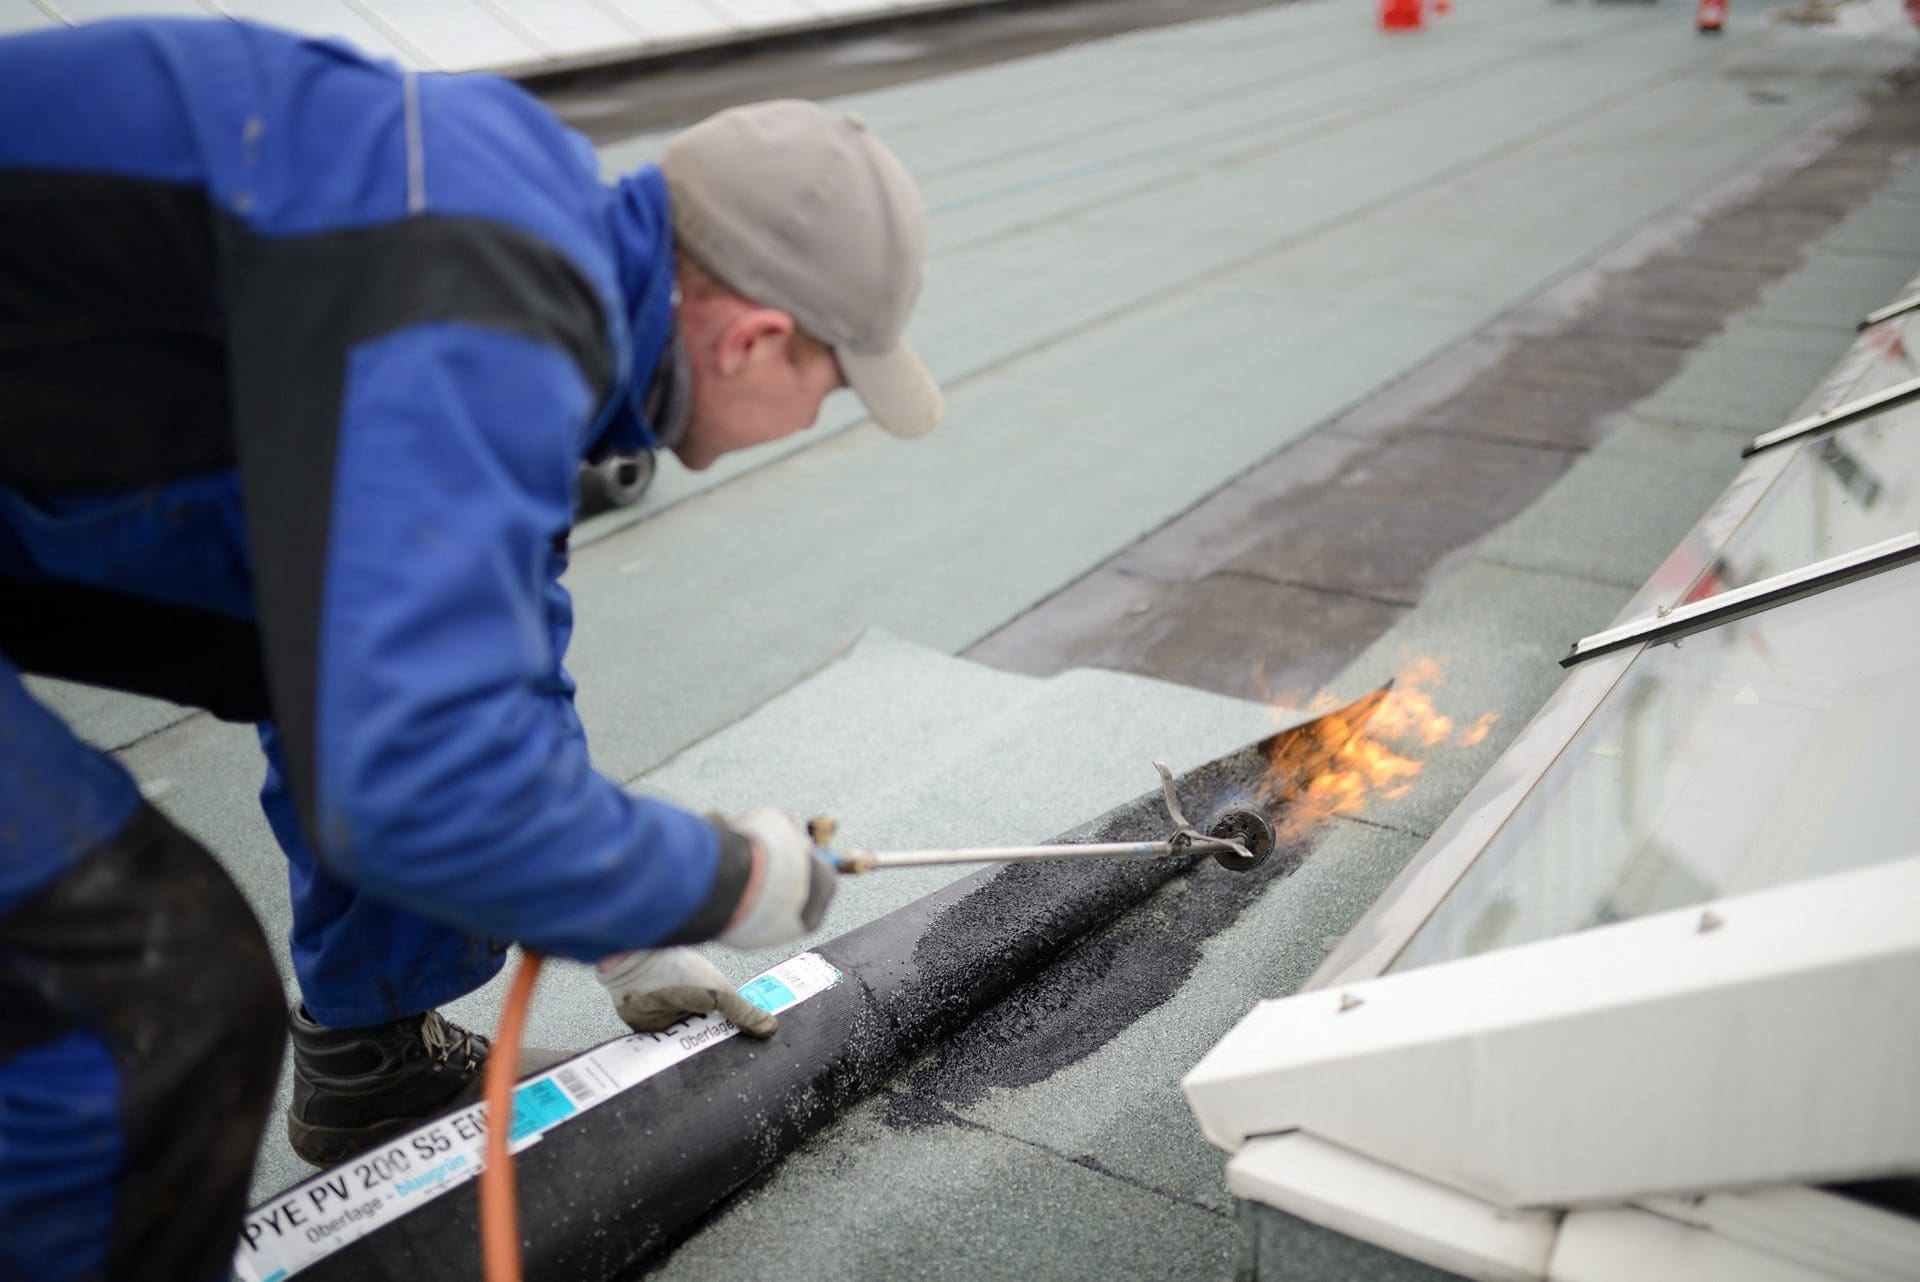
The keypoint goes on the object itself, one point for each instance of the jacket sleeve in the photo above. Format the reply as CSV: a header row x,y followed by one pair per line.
x,y
412,627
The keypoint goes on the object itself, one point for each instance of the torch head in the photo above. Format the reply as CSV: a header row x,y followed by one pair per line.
x,y
1251,829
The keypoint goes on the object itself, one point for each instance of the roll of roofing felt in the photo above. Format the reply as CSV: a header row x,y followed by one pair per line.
x,y
604,1187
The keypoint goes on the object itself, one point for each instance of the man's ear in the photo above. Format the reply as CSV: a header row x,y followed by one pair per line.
x,y
747,334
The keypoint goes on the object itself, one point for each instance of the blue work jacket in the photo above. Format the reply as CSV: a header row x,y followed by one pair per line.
x,y
299,356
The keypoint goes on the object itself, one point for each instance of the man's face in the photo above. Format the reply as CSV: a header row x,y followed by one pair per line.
x,y
755,378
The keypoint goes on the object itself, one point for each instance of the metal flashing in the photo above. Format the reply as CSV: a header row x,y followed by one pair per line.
x,y
1740,602
1402,1212
1809,1227
1607,1040
1898,394
1899,307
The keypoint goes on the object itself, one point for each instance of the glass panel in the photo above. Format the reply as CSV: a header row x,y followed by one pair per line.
x,y
1770,749
1849,489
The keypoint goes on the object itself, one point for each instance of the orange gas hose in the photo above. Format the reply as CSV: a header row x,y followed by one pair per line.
x,y
499,1211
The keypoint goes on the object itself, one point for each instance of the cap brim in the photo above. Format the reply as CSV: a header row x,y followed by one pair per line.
x,y
896,389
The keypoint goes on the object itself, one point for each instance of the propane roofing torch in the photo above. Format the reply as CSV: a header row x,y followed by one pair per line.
x,y
1239,838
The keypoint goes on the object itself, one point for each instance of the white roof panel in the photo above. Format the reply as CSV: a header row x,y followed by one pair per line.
x,y
456,35
568,27
678,19
771,13
839,8
23,15
1766,1039
95,10
324,18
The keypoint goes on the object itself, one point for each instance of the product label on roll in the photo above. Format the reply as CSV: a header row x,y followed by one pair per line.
x,y
344,1204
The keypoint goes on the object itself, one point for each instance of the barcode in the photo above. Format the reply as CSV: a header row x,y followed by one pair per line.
x,y
576,1085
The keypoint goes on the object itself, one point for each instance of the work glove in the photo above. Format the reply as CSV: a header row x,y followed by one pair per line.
x,y
790,888
655,987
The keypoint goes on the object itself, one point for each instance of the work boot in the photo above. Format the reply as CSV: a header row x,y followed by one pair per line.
x,y
354,1087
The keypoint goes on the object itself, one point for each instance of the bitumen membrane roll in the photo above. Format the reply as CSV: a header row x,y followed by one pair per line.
x,y
605,1190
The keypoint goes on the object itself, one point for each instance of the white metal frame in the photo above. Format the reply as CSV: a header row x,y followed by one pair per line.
x,y
1756,1235
1899,307
1751,598
1587,1106
1885,398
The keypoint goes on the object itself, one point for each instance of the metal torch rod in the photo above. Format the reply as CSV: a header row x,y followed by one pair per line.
x,y
869,860
981,854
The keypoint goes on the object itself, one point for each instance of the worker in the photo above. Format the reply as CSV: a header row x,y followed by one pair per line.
x,y
300,354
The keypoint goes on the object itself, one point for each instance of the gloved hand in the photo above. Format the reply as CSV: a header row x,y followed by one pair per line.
x,y
655,987
791,888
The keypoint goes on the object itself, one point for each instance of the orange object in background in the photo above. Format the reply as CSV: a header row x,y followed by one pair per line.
x,y
1441,8
1711,15
1400,15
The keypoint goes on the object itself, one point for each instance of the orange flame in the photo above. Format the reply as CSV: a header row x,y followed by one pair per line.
x,y
1372,750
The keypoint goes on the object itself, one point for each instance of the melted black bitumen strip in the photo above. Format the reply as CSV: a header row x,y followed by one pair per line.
x,y
1082,1001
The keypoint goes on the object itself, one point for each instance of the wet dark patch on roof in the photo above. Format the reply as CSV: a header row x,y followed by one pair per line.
x,y
1278,580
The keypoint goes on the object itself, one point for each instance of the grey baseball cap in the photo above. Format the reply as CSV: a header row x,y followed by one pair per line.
x,y
802,209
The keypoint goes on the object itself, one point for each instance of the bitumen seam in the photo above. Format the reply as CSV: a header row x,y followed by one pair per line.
x,y
1398,601
925,1113
186,714
1378,825
1349,110
1601,580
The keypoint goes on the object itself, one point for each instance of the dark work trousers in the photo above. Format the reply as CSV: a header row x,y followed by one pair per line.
x,y
141,1024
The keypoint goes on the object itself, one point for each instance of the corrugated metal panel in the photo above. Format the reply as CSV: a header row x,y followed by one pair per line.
x,y
23,15
677,19
475,35
95,10
771,13
568,28
324,18
839,8
454,35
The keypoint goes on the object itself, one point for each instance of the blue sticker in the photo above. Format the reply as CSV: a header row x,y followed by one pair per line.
x,y
538,1105
769,994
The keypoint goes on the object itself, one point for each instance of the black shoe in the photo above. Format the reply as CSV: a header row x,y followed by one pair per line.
x,y
354,1087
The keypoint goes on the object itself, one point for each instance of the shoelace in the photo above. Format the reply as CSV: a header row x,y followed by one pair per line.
x,y
445,1040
